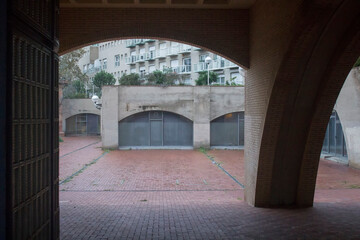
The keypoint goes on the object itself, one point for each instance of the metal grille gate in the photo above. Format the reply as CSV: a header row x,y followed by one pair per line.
x,y
32,210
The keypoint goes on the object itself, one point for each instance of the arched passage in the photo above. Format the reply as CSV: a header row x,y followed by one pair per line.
x,y
197,27
283,156
154,129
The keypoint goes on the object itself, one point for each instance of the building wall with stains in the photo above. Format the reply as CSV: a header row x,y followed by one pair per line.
x,y
200,104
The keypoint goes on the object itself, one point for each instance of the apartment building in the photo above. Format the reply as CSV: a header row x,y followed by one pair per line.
x,y
144,56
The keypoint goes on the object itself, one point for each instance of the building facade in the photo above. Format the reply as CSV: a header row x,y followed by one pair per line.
x,y
172,117
144,56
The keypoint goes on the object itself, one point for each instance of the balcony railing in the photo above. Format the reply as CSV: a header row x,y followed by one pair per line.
x,y
214,65
133,42
182,69
92,70
130,60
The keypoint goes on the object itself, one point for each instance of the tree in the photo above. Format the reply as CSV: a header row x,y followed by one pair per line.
x,y
69,69
101,79
166,77
75,89
202,79
357,64
71,79
130,80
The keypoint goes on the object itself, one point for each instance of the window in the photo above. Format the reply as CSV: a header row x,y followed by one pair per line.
x,y
151,68
117,60
202,57
142,71
104,63
162,65
186,65
221,79
174,64
133,56
152,52
122,57
237,78
132,70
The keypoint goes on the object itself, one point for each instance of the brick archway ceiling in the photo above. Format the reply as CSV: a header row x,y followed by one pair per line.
x,y
224,4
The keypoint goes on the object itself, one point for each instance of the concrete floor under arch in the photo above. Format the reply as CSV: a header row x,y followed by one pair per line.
x,y
182,194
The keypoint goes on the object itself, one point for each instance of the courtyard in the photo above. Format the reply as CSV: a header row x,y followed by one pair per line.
x,y
189,194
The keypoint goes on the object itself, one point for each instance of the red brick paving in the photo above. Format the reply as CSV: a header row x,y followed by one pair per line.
x,y
71,161
136,195
232,161
332,175
152,170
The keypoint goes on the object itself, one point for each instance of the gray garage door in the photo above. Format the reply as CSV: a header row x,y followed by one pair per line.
x,y
83,124
227,130
334,141
156,129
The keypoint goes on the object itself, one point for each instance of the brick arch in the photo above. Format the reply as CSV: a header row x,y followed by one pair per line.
x,y
224,32
305,88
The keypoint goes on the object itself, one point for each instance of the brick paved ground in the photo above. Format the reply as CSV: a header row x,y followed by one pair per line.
x,y
161,194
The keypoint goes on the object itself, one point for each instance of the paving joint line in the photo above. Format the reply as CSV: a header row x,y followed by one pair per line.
x,y
211,158
68,179
66,154
154,190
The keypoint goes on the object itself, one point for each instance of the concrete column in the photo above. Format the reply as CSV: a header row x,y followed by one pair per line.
x,y
348,109
201,117
109,124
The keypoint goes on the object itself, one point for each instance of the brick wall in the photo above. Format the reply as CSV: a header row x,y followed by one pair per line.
x,y
290,57
222,31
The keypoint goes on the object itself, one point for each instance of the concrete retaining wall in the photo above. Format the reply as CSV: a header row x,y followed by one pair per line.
x,y
71,107
201,104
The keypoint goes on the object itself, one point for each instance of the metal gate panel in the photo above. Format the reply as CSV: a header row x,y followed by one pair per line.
x,y
156,129
178,131
227,130
32,162
93,124
334,141
156,133
135,130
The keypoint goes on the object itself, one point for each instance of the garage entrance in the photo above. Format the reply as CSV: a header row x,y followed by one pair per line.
x,y
155,129
227,130
85,124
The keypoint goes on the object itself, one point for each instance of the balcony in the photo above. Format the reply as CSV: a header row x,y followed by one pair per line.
x,y
141,57
92,70
130,43
182,69
151,55
130,60
161,53
214,65
173,50
184,48
149,40
140,41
